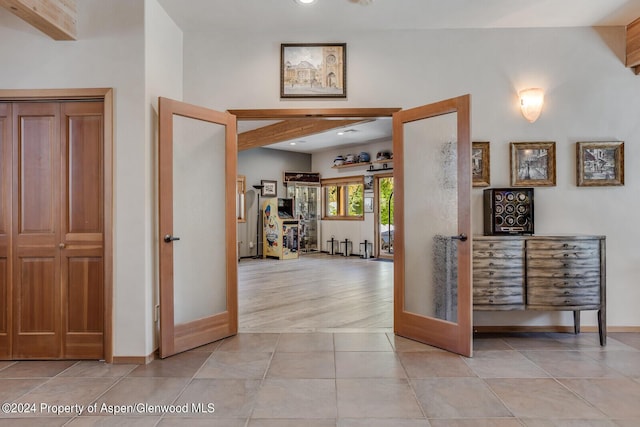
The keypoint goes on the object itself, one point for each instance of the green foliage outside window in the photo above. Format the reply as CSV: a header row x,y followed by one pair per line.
x,y
386,194
356,199
332,200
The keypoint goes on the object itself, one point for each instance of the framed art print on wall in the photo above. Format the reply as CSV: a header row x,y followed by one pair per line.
x,y
533,164
269,188
368,204
599,164
313,70
480,164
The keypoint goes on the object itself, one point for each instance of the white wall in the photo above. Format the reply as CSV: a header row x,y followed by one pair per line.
x,y
163,77
114,49
356,231
258,164
109,53
590,95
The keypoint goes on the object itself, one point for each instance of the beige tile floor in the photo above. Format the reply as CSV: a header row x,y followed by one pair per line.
x,y
356,379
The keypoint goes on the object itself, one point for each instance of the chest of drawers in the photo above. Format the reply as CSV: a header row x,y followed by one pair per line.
x,y
541,273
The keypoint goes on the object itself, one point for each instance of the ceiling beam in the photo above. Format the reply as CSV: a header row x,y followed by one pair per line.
x,y
292,113
289,129
633,46
56,18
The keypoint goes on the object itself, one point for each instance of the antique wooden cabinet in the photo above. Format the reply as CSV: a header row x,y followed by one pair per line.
x,y
563,273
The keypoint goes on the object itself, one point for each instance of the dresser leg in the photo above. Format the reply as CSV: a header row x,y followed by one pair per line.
x,y
576,322
602,328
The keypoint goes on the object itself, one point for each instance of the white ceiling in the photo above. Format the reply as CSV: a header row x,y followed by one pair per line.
x,y
268,15
346,15
371,131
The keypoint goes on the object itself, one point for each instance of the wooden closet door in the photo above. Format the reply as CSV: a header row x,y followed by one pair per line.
x,y
5,231
81,244
58,227
36,285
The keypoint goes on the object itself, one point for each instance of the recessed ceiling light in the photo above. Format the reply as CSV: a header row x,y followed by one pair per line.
x,y
305,1
292,143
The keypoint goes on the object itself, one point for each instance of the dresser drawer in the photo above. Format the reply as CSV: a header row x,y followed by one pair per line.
x,y
515,247
494,273
497,263
563,245
562,283
484,244
562,255
562,301
561,270
533,292
492,282
498,300
508,254
499,295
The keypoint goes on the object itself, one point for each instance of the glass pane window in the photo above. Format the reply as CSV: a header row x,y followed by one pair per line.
x,y
355,199
333,196
343,198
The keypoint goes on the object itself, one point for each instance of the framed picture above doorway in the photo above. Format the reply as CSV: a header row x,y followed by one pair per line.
x,y
313,70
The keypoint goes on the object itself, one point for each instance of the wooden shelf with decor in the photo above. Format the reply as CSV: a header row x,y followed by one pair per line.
x,y
351,165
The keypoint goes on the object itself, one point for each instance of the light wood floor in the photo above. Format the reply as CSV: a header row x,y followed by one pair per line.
x,y
316,292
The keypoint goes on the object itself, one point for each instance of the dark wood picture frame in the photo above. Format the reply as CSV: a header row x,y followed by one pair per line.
x,y
269,188
480,164
600,164
313,70
533,164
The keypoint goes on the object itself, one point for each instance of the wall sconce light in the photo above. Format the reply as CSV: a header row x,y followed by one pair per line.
x,y
531,101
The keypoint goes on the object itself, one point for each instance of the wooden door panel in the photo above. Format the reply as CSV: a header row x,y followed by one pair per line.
x,y
37,316
202,137
3,296
84,159
83,305
82,229
5,230
37,140
5,175
37,290
84,294
5,347
432,144
36,284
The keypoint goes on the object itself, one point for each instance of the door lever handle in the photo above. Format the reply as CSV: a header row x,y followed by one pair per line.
x,y
168,238
462,237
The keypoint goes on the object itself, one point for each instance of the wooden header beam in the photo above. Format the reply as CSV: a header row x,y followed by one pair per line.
x,y
56,18
633,46
289,129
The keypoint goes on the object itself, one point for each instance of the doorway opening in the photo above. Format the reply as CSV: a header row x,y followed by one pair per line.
x,y
413,314
321,291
